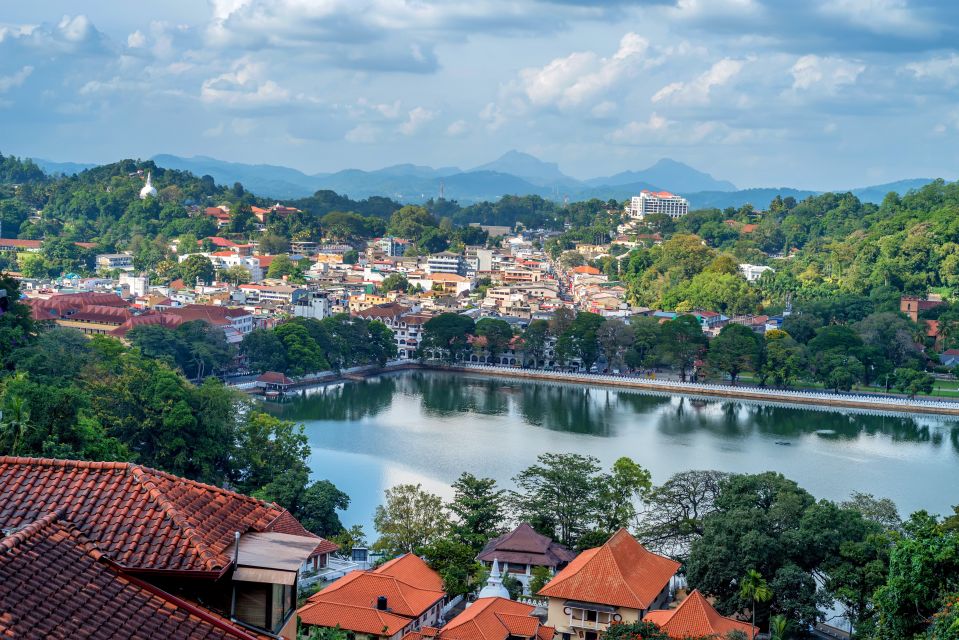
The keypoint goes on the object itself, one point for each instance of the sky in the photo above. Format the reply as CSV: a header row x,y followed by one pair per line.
x,y
817,94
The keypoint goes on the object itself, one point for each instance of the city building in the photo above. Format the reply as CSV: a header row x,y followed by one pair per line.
x,y
663,202
315,304
521,550
446,262
753,272
115,549
111,261
618,582
235,323
401,596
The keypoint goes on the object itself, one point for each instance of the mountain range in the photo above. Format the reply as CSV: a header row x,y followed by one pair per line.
x,y
513,173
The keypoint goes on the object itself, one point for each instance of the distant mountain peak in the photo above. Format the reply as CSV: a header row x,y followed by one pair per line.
x,y
668,174
524,165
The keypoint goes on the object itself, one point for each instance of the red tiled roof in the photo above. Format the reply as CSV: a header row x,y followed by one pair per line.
x,y
411,569
525,546
164,319
355,618
21,244
489,619
695,617
208,313
362,588
274,377
63,304
388,310
217,241
141,518
56,583
619,573
102,314
593,271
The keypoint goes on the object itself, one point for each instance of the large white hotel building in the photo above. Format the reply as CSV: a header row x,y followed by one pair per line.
x,y
648,202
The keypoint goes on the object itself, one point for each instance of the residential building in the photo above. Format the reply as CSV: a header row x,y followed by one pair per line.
x,y
315,304
489,619
405,322
401,596
390,246
124,538
523,549
235,323
446,262
695,617
662,202
753,272
912,306
282,293
111,261
618,582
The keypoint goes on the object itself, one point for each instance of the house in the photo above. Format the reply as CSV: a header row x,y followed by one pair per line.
x,y
753,272
912,306
235,323
618,582
446,262
696,618
406,324
97,546
398,597
273,381
111,261
489,619
949,357
523,549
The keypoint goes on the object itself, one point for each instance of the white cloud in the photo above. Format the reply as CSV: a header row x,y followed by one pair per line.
x,y
136,40
457,129
15,80
944,70
581,77
824,74
878,16
415,119
244,86
697,90
660,131
647,132
493,116
363,133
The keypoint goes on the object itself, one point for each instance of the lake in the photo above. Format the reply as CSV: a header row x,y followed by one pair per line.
x,y
428,427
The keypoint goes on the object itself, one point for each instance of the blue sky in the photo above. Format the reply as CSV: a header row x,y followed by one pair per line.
x,y
811,93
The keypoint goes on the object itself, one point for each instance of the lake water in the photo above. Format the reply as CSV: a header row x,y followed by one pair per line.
x,y
428,427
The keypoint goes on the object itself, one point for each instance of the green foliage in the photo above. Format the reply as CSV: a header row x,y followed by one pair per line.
x,y
456,563
539,579
197,269
736,349
409,519
479,510
498,334
682,340
513,586
445,336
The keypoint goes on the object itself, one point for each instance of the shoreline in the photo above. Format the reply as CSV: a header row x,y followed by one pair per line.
x,y
807,399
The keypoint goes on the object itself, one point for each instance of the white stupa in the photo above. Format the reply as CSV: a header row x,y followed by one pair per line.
x,y
494,584
148,190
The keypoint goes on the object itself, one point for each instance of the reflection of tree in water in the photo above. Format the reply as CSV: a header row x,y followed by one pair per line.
x,y
349,401
737,419
575,409
445,395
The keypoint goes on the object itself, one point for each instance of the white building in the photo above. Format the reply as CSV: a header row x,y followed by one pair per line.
x,y
446,262
110,261
753,272
664,202
314,304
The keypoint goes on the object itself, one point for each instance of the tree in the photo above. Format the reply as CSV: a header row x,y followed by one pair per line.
x,y
197,269
635,631
303,353
282,265
395,282
498,334
478,506
456,563
753,587
580,340
539,579
646,338
534,342
264,351
682,340
614,337
410,519
619,492
348,539
779,627
558,495
445,335
734,350
912,382
235,275
676,511
785,360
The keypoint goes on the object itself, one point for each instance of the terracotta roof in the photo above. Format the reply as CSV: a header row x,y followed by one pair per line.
x,y
525,546
489,619
358,619
619,573
593,271
140,517
21,244
163,319
56,583
274,377
388,310
362,588
208,313
411,569
695,617
102,314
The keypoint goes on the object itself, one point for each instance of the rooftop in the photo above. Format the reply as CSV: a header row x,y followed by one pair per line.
x,y
695,617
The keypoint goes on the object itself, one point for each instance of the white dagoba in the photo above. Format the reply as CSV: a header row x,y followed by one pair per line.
x,y
148,190
494,584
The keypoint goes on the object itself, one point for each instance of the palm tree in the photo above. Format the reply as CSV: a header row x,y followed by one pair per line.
x,y
755,588
778,627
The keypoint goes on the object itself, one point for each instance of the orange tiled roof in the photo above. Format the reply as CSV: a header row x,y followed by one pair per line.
x,y
695,617
490,619
620,573
362,588
48,569
411,569
140,517
208,313
593,271
358,619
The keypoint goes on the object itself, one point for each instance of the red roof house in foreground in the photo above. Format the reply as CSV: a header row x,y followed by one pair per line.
x,y
402,595
143,534
695,618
